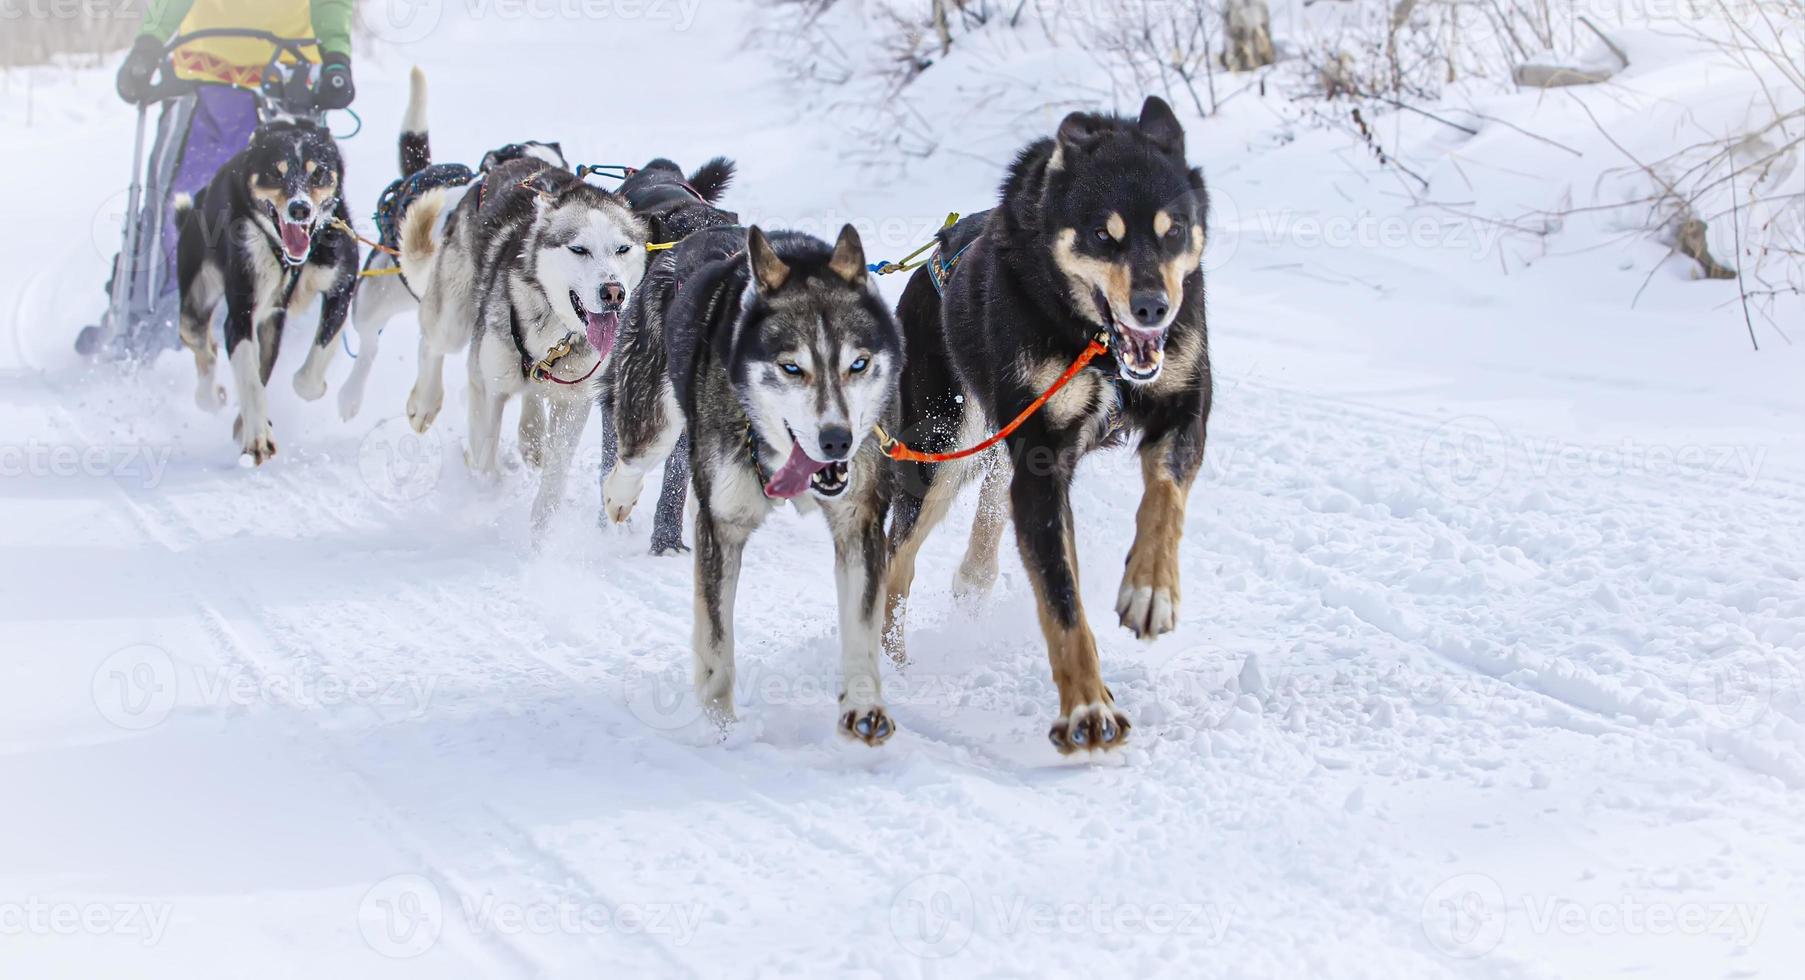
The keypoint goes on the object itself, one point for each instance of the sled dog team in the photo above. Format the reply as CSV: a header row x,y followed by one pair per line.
x,y
762,366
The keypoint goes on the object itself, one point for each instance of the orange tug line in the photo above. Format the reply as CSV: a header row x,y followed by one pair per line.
x,y
895,449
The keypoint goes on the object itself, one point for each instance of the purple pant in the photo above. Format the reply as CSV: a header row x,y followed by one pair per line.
x,y
219,124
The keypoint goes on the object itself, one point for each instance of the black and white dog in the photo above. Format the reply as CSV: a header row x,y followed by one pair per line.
x,y
780,357
266,236
385,293
1099,234
532,268
673,207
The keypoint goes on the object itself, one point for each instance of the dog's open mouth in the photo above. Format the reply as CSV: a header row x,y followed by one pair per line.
x,y
799,473
1139,351
297,239
830,480
602,329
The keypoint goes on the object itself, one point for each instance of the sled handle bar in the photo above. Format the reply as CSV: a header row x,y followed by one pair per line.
x,y
168,86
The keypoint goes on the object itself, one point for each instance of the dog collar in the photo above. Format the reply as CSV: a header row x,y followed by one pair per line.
x,y
541,370
758,464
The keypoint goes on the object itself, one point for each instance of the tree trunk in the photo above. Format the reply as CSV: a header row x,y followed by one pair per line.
x,y
1248,26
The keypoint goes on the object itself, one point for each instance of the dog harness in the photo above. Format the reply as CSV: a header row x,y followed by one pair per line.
x,y
940,272
401,194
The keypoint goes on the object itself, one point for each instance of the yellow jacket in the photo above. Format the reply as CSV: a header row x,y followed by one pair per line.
x,y
240,60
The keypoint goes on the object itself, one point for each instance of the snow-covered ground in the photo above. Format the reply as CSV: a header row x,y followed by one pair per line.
x,y
1490,663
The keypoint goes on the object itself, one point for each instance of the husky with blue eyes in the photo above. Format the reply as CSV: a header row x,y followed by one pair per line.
x,y
779,358
532,268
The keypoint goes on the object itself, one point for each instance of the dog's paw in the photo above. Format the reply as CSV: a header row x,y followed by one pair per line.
x,y
486,473
619,495
209,397
1096,726
714,692
1148,612
1147,603
350,402
256,444
532,453
662,548
871,725
971,584
422,408
310,388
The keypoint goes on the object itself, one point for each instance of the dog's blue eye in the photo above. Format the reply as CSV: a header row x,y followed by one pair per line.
x,y
578,250
1103,235
860,365
791,368
624,249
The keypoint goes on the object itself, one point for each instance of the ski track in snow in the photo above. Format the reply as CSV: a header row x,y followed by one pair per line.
x,y
1430,684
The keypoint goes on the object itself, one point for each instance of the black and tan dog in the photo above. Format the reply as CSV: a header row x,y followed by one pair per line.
x,y
1099,234
266,236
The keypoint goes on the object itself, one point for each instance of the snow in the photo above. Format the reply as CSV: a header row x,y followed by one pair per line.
x,y
1490,664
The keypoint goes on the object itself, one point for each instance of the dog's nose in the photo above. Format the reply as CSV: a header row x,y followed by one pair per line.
x,y
836,442
1150,308
613,294
299,210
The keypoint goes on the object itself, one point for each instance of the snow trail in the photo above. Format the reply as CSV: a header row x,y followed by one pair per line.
x,y
1488,665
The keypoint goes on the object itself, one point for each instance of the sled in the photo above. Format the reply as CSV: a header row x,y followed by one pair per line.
x,y
140,318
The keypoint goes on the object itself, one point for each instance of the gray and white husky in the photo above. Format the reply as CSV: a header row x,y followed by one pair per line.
x,y
531,267
780,357
384,295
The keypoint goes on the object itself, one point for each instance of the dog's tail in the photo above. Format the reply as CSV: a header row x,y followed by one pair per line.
x,y
711,179
416,151
421,226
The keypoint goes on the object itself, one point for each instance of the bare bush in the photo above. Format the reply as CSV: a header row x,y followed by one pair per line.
x,y
91,30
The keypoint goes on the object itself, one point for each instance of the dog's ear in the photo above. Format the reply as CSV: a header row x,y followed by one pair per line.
x,y
849,257
656,229
1160,125
1079,131
769,272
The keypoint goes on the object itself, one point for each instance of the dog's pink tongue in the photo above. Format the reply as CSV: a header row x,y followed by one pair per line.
x,y
603,329
294,239
794,476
